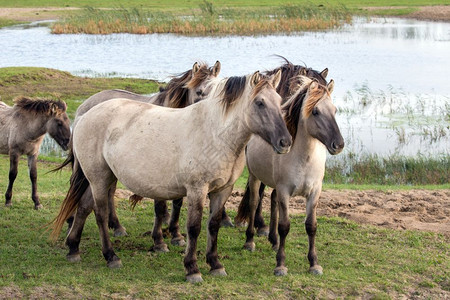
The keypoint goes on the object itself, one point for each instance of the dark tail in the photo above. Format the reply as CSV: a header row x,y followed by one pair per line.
x,y
69,160
78,185
244,209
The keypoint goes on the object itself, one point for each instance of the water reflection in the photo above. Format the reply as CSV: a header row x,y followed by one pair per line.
x,y
398,68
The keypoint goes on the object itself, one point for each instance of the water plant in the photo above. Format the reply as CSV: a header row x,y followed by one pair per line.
x,y
206,20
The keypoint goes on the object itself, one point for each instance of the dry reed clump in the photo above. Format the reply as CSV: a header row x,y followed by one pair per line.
x,y
281,20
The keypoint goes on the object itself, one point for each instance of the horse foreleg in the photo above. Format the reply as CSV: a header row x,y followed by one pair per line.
x,y
33,177
273,233
311,228
253,185
100,191
174,226
283,229
113,221
85,207
157,235
263,229
13,165
217,202
195,198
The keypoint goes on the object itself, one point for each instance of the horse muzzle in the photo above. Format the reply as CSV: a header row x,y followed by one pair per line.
x,y
283,146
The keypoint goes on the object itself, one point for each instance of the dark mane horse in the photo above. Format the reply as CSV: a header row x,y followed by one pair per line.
x,y
176,93
22,130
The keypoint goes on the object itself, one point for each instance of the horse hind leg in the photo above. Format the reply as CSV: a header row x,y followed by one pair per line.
x,y
263,229
113,220
174,226
273,232
100,190
283,230
85,207
311,228
253,184
33,177
157,235
13,165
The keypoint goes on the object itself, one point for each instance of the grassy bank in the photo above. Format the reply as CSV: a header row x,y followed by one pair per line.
x,y
359,261
43,82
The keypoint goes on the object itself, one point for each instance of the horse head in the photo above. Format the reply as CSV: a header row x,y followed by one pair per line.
x,y
264,118
58,126
198,85
318,114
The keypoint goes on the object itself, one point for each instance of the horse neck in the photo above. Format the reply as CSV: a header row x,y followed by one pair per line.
x,y
36,126
229,129
304,142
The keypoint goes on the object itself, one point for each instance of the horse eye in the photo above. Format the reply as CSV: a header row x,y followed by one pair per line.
x,y
315,111
259,103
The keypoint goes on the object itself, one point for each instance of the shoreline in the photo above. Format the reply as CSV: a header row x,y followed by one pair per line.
x,y
436,13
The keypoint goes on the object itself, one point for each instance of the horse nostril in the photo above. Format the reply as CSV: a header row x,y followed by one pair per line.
x,y
284,143
199,93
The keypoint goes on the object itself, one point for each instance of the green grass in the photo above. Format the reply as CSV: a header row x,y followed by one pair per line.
x,y
359,261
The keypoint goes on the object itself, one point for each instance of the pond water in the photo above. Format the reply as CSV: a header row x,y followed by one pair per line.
x,y
391,75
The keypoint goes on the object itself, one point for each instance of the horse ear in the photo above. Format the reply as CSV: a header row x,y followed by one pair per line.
x,y
216,69
195,68
314,85
276,78
53,109
330,86
324,73
303,72
256,77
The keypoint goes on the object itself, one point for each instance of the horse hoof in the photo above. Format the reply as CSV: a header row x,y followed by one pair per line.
x,y
178,242
120,232
280,271
38,207
115,264
264,231
218,272
9,204
161,248
194,278
227,223
316,270
249,246
73,258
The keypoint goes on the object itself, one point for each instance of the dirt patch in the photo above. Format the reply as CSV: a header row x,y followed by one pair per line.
x,y
426,210
30,14
429,13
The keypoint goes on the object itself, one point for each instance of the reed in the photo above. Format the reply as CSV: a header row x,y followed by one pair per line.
x,y
206,20
352,168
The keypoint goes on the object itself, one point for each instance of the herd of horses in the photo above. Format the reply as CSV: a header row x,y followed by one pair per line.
x,y
192,139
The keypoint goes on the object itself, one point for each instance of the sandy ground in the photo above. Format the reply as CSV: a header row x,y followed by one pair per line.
x,y
425,210
433,13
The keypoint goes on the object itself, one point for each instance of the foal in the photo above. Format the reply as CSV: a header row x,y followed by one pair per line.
x,y
22,130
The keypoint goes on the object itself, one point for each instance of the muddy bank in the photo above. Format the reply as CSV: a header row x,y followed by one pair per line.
x,y
425,210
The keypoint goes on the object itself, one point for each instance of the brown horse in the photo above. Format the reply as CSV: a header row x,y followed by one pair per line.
x,y
182,90
22,129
